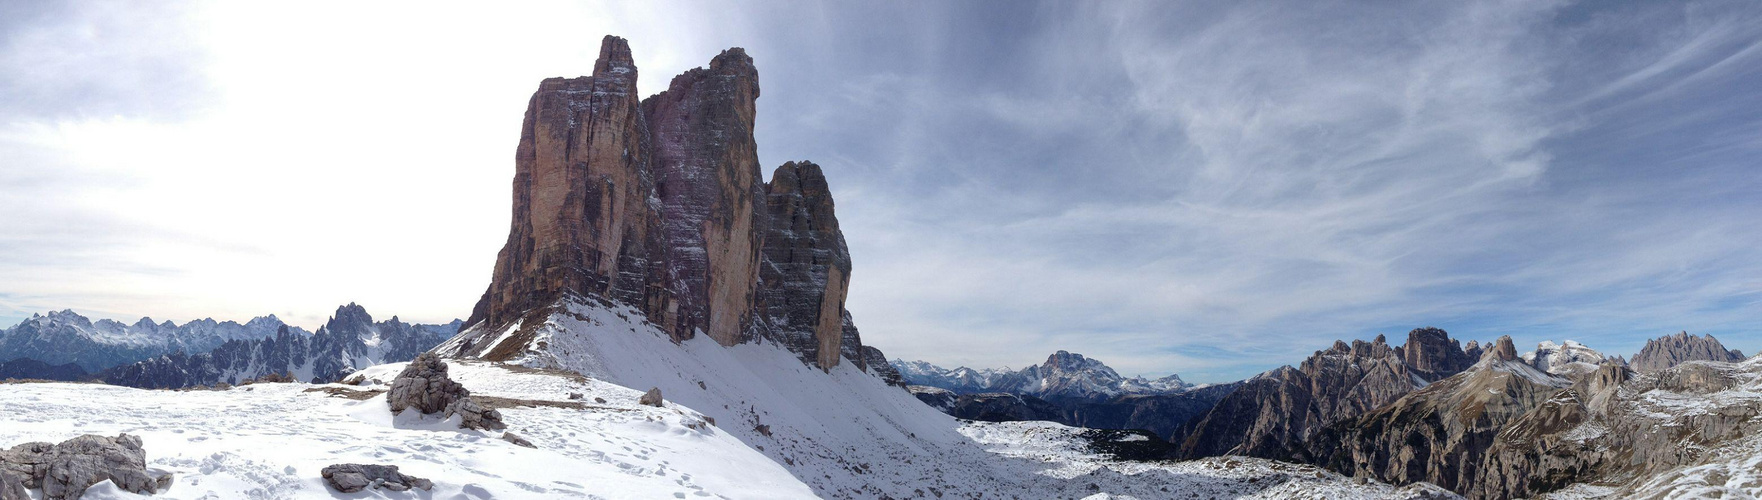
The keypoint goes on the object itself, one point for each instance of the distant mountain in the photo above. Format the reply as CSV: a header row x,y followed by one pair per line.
x,y
27,368
1064,375
349,341
1438,433
1665,352
1270,415
1570,359
66,337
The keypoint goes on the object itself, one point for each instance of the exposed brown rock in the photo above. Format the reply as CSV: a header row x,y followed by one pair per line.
x,y
1439,433
711,190
1272,414
583,218
659,204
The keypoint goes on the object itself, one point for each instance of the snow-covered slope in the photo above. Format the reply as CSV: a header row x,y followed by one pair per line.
x,y
269,441
843,432
1565,359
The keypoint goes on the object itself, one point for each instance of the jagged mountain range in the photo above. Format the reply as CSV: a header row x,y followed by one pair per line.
x,y
348,341
63,337
1064,375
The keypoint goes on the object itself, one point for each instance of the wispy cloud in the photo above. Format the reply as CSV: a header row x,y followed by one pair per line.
x,y
1210,189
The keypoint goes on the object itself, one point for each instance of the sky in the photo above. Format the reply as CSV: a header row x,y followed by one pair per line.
x,y
1212,189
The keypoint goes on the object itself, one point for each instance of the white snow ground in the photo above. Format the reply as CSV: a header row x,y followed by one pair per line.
x,y
844,432
269,441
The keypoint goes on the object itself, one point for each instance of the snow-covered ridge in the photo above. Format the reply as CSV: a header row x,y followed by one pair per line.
x,y
1064,375
843,432
1569,358
62,337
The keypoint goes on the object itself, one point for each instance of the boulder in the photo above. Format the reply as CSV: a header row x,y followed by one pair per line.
x,y
517,440
65,470
425,387
351,478
651,398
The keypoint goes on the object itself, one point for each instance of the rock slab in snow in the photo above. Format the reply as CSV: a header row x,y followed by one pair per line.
x,y
350,478
65,470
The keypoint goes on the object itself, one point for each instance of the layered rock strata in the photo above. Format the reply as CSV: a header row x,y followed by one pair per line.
x,y
1272,414
1665,352
659,204
1438,433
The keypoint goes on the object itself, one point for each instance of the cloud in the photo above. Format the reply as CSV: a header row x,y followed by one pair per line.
x,y
1209,189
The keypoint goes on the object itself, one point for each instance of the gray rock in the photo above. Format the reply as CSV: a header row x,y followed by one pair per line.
x,y
1272,414
351,478
516,439
12,486
65,470
651,398
1665,352
425,387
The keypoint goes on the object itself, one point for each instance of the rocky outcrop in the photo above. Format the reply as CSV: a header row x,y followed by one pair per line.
x,y
64,471
805,268
659,205
585,216
1160,414
651,398
350,340
1272,414
1004,407
937,397
351,478
1438,433
712,194
1664,352
425,387
1619,427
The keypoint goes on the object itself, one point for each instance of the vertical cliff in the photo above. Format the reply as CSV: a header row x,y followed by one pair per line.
x,y
584,217
711,194
659,204
805,267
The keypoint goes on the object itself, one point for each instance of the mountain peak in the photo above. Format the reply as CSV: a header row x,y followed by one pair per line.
x,y
1501,350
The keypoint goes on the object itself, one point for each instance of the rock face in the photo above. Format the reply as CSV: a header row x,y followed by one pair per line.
x,y
348,341
351,478
805,267
1272,414
585,214
1438,433
1664,352
659,204
1635,430
712,194
65,470
425,387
